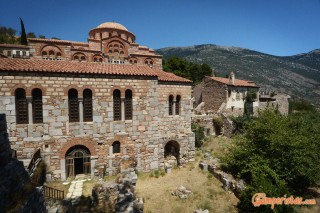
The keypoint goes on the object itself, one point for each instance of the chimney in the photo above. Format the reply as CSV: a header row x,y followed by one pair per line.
x,y
232,78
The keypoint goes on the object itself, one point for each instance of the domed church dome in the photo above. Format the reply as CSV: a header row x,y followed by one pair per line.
x,y
113,25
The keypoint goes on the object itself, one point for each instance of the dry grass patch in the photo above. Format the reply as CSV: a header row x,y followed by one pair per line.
x,y
217,146
207,192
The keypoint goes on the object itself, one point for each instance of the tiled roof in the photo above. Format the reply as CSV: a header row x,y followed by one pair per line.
x,y
237,82
113,25
167,76
57,41
15,46
32,65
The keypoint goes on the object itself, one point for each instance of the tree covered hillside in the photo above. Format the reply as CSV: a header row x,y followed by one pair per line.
x,y
298,76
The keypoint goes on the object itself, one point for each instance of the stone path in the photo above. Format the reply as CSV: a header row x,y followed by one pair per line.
x,y
75,189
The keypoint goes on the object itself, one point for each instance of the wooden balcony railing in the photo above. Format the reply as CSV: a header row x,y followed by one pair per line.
x,y
53,193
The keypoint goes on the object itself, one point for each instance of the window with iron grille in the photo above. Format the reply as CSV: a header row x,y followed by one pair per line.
x,y
73,105
21,106
171,105
87,105
128,105
178,98
116,147
116,105
37,106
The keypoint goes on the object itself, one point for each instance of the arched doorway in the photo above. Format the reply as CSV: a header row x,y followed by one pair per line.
x,y
77,161
172,149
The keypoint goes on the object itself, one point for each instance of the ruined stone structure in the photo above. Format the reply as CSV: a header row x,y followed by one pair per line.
x,y
225,95
17,192
109,42
277,101
95,117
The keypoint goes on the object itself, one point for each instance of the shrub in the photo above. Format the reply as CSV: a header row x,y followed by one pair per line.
x,y
218,124
276,155
199,134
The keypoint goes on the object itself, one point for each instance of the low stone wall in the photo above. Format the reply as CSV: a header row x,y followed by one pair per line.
x,y
205,121
229,182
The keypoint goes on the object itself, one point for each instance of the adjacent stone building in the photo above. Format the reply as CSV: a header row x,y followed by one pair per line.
x,y
96,108
225,95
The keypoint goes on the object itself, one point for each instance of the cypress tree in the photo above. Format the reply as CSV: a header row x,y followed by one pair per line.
x,y
23,38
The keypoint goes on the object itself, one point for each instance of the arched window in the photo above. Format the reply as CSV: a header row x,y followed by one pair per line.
x,y
128,105
87,105
83,58
75,58
116,105
51,53
73,105
171,105
178,99
44,54
116,147
58,54
21,106
37,106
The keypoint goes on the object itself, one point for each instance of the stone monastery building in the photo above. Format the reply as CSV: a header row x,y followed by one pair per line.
x,y
94,108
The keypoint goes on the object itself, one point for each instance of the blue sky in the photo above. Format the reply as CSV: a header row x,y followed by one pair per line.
x,y
278,27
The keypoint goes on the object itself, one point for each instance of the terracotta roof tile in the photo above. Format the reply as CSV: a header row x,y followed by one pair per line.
x,y
167,76
57,41
32,65
237,82
15,46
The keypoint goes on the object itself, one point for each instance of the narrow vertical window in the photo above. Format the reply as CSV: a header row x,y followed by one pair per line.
x,y
21,106
178,99
116,147
116,105
128,105
171,105
73,105
87,105
37,106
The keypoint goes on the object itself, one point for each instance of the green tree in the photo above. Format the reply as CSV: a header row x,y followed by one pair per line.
x,y
199,134
23,38
31,35
277,153
181,67
7,35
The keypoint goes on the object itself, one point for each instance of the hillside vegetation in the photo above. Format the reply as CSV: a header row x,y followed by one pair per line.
x,y
298,76
277,155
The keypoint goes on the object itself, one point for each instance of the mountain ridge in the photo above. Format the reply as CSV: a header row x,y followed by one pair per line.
x,y
297,75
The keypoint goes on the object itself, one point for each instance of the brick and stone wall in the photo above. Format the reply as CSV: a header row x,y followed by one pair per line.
x,y
143,138
100,43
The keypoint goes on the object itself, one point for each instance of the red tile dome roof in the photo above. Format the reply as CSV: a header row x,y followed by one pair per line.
x,y
113,25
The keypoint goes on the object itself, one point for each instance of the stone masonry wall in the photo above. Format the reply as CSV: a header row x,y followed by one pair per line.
x,y
176,127
211,92
141,138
